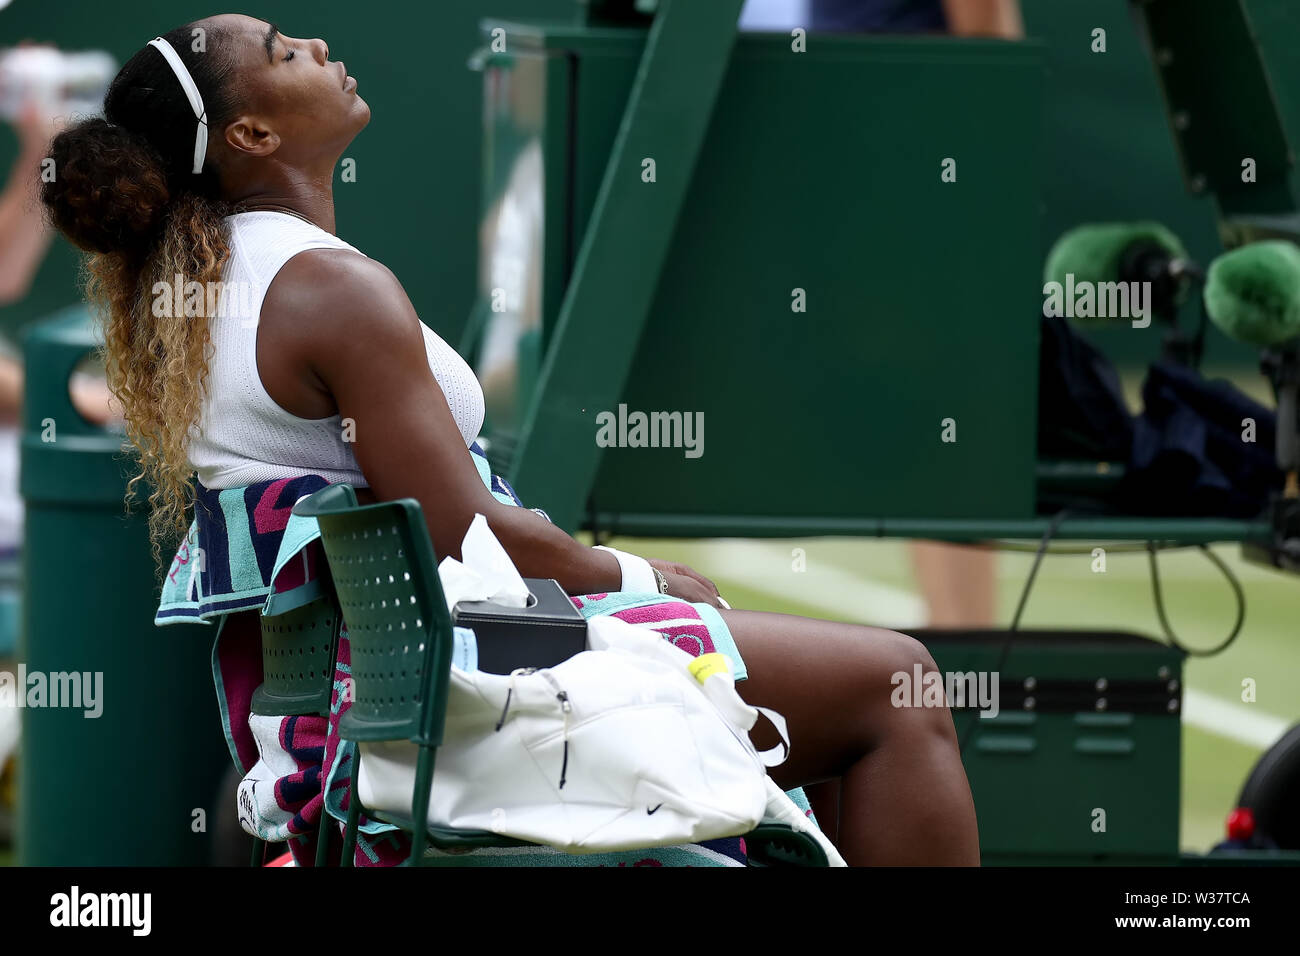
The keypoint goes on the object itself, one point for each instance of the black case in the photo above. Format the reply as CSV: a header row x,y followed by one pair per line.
x,y
547,632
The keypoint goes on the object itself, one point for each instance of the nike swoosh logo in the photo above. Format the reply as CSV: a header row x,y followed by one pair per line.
x,y
650,812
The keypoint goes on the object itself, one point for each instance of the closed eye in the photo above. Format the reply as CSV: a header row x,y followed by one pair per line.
x,y
268,41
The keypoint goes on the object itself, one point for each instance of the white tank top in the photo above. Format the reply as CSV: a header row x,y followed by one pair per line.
x,y
242,435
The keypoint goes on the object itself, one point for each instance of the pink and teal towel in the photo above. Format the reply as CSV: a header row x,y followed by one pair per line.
x,y
243,538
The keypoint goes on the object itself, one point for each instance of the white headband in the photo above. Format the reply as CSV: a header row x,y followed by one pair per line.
x,y
192,94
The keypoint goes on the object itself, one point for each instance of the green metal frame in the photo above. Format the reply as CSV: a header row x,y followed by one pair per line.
x,y
1221,106
626,243
1223,109
1171,531
400,636
694,310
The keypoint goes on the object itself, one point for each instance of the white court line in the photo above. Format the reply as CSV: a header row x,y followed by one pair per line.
x,y
842,594
1239,722
766,567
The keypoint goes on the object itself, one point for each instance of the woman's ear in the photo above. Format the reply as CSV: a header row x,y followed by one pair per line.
x,y
251,136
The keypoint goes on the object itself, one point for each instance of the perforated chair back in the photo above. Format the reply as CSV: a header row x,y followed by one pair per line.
x,y
298,654
399,629
298,649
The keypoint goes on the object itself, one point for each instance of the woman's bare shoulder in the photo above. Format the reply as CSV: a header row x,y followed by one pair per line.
x,y
330,313
334,307
327,292
332,277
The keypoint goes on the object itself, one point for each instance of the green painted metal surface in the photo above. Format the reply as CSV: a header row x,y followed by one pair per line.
x,y
826,409
415,200
1221,104
627,241
154,752
1040,778
808,179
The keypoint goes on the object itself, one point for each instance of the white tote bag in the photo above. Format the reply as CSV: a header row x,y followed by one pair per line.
x,y
631,744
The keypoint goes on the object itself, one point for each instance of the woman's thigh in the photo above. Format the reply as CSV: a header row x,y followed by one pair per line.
x,y
830,680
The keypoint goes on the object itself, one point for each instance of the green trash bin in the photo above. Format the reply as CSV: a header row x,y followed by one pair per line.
x,y
133,785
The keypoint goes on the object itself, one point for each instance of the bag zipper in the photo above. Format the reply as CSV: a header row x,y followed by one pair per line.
x,y
561,695
566,708
517,672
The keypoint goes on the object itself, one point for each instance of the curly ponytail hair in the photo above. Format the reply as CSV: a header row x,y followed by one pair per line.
x,y
125,192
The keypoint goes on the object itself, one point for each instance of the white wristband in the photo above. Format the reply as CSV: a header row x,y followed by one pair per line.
x,y
638,576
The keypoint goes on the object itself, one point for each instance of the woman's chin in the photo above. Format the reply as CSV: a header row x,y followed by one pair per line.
x,y
357,119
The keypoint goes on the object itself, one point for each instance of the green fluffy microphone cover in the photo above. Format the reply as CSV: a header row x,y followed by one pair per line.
x,y
1253,293
1092,254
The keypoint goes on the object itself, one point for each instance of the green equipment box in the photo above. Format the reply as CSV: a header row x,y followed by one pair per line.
x,y
1081,763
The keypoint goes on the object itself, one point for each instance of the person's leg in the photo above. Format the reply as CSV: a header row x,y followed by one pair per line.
x,y
824,798
904,799
958,582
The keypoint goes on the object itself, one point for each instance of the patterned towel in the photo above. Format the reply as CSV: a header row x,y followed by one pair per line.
x,y
246,550
243,538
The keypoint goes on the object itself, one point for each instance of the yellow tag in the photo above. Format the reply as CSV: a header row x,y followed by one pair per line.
x,y
706,665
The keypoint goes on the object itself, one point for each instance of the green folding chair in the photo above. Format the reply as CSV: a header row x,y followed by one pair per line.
x,y
298,650
385,576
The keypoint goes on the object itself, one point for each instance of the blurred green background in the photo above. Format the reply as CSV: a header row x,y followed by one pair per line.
x,y
1108,155
416,202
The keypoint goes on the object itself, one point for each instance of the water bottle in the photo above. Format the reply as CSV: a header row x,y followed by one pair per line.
x,y
58,83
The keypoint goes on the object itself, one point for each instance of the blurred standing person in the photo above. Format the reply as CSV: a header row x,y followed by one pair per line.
x,y
24,236
989,18
763,15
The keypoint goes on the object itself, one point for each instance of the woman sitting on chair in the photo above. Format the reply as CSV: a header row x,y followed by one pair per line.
x,y
217,166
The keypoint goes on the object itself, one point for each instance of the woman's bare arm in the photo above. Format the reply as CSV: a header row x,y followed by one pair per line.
x,y
357,332
985,18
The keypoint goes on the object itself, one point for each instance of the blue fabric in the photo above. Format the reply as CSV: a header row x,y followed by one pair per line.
x,y
1188,456
878,16
225,563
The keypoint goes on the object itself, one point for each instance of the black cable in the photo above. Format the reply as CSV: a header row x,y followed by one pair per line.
x,y
1151,548
1134,548
592,522
1164,619
1052,527
1198,342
